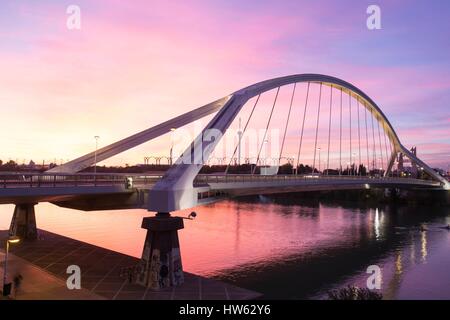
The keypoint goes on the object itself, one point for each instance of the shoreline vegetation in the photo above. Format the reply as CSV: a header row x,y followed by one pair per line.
x,y
354,293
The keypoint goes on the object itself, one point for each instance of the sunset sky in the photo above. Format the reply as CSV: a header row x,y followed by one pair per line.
x,y
134,64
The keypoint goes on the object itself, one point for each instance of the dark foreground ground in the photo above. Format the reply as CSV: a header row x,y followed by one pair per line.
x,y
43,265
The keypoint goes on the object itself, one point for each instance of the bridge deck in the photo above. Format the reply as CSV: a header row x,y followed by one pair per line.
x,y
80,189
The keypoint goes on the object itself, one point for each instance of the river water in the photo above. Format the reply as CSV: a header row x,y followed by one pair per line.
x,y
286,249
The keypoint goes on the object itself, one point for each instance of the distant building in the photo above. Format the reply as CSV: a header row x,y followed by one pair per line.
x,y
31,165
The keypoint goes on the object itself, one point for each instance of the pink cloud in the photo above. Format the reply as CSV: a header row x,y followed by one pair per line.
x,y
133,65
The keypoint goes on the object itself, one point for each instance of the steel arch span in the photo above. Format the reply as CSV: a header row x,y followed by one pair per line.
x,y
175,190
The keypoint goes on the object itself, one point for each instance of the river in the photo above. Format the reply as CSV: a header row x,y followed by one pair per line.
x,y
286,249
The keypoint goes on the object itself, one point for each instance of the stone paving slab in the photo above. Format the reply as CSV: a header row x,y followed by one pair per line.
x,y
100,273
39,284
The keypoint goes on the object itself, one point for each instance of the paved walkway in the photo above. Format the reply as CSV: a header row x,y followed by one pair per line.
x,y
43,264
39,284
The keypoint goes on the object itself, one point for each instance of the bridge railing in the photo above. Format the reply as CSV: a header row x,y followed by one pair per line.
x,y
244,178
9,180
145,179
33,180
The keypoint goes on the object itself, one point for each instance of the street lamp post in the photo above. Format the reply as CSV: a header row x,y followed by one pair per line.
x,y
12,239
95,154
319,159
265,142
353,164
239,143
172,130
294,169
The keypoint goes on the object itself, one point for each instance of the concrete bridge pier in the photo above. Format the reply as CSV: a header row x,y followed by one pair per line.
x,y
160,265
23,223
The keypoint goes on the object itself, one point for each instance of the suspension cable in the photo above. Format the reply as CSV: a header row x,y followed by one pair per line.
x,y
265,132
388,149
381,148
317,129
243,132
359,138
350,122
340,137
385,146
367,140
374,154
303,127
287,123
329,131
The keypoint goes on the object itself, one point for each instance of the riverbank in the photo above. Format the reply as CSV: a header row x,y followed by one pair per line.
x,y
43,265
37,284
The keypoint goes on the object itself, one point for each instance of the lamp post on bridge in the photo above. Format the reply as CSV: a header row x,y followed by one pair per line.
x,y
172,130
265,142
294,168
95,154
352,164
319,159
239,143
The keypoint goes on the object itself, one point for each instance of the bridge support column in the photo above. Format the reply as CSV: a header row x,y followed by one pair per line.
x,y
161,260
23,223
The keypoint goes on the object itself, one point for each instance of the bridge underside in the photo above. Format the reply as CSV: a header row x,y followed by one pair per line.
x,y
136,199
260,190
60,194
217,191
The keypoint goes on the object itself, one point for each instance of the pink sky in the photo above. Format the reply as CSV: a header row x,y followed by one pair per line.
x,y
135,64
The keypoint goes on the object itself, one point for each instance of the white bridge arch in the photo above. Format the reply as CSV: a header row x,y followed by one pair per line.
x,y
175,190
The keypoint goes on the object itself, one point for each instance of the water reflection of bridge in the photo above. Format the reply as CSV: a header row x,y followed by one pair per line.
x,y
319,265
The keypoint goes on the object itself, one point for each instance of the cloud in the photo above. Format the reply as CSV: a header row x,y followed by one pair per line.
x,y
135,64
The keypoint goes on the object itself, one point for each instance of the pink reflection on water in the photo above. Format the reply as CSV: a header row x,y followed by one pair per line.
x,y
224,235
